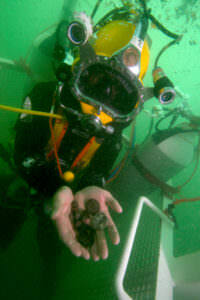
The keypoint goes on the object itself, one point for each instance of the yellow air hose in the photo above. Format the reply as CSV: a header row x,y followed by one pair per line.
x,y
30,112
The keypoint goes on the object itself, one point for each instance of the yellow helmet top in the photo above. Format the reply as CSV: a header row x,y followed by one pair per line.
x,y
116,35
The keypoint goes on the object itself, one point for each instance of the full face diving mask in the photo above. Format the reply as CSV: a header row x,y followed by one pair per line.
x,y
109,83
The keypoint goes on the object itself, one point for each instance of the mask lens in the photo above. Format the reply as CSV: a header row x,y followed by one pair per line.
x,y
131,57
107,86
76,33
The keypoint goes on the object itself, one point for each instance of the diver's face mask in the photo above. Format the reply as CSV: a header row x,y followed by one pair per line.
x,y
112,84
109,84
106,86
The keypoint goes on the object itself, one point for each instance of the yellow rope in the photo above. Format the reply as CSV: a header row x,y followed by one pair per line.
x,y
30,112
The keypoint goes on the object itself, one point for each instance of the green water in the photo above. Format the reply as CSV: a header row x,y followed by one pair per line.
x,y
22,22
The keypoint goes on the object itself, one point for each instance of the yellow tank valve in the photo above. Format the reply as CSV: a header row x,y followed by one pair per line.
x,y
68,176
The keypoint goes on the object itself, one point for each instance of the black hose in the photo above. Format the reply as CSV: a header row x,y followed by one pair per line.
x,y
144,6
163,29
96,8
171,113
149,131
163,50
156,22
173,121
145,25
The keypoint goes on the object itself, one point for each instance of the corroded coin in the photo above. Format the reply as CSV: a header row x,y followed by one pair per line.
x,y
99,221
92,206
85,235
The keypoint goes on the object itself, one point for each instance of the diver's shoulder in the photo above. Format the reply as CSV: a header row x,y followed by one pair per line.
x,y
45,86
41,95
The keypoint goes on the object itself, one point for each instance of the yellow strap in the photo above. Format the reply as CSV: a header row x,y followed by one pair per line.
x,y
85,156
59,131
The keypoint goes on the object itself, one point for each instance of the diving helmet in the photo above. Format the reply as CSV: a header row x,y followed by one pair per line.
x,y
110,62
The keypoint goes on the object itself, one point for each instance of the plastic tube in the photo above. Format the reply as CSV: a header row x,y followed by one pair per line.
x,y
30,112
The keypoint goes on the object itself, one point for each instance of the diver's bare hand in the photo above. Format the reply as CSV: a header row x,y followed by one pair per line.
x,y
61,217
105,199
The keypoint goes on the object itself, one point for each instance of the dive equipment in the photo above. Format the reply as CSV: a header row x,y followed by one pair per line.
x,y
168,151
163,87
30,112
164,49
118,97
165,154
93,124
68,176
80,29
183,111
116,75
90,123
130,55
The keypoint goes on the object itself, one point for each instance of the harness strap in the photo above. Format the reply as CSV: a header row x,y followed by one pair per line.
x,y
85,156
59,130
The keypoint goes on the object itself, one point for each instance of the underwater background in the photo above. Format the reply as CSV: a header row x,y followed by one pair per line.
x,y
22,24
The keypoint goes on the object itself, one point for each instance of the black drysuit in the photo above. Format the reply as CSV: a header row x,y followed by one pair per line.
x,y
33,134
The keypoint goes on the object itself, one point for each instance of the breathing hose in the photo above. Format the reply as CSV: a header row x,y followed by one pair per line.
x,y
165,48
30,112
96,8
170,34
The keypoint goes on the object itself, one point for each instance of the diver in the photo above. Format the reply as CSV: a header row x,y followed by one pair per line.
x,y
66,158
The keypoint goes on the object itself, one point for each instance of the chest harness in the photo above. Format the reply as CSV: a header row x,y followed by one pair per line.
x,y
58,131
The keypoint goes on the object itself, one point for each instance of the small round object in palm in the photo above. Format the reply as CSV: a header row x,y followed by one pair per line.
x,y
86,235
92,206
99,221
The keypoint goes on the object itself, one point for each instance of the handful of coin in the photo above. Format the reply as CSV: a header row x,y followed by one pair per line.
x,y
86,222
